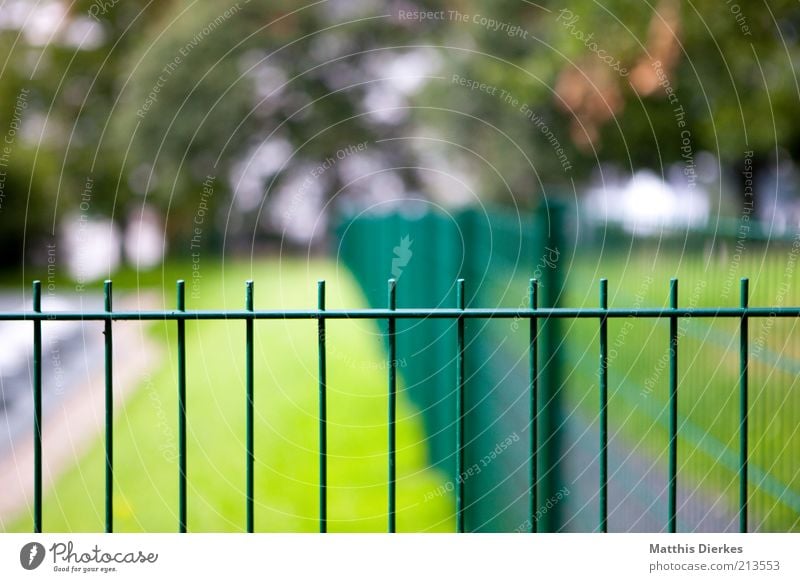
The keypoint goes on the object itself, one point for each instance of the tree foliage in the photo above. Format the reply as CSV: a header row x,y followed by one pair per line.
x,y
148,99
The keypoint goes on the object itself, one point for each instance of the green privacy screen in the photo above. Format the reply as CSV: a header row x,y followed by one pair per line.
x,y
495,253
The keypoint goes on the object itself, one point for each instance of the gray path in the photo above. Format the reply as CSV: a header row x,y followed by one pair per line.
x,y
637,488
73,392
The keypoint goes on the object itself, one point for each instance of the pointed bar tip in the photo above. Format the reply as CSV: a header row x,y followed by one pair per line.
x,y
604,293
744,292
673,293
107,294
37,295
180,287
321,294
533,292
392,293
248,294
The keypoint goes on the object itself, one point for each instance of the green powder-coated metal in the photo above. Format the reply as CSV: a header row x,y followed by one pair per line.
x,y
392,333
542,313
323,411
460,379
181,301
673,408
250,397
603,374
391,314
109,405
37,410
743,405
533,359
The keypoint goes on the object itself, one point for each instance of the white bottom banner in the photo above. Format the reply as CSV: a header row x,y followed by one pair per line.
x,y
401,557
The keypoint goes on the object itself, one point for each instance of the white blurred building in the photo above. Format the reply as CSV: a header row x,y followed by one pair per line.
x,y
647,204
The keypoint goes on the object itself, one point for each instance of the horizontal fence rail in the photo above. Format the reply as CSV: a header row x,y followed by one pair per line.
x,y
406,313
390,315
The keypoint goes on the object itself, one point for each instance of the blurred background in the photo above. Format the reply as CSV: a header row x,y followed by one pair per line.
x,y
350,141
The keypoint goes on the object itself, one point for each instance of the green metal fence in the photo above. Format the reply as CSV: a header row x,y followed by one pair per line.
x,y
497,250
535,316
491,248
709,262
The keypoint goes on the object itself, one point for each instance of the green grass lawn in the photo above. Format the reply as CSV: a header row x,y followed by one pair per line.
x,y
708,444
286,432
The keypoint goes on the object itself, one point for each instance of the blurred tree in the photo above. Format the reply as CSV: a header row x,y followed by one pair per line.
x,y
57,91
147,100
254,97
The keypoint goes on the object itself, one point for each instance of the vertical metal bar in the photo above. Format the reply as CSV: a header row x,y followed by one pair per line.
x,y
181,299
460,412
392,407
109,403
673,407
533,298
250,395
37,410
604,408
743,404
323,411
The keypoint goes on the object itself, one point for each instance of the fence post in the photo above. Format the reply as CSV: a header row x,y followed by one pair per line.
x,y
549,248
